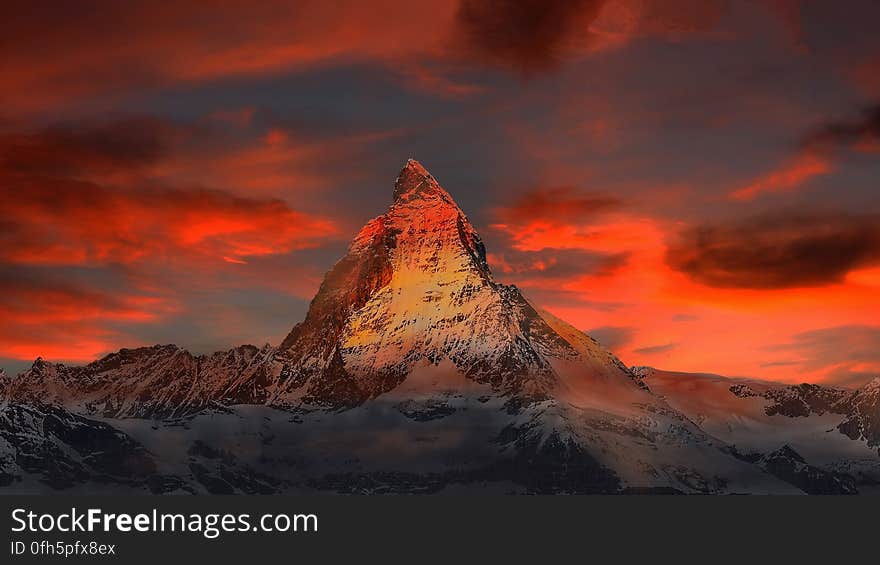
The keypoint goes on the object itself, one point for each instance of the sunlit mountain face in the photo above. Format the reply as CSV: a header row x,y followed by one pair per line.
x,y
693,184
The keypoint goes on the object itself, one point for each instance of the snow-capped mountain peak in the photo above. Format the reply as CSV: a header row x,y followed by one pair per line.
x,y
415,290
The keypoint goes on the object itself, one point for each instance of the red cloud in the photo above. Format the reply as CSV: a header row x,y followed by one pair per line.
x,y
790,176
126,144
778,251
84,194
40,301
96,202
51,221
866,75
819,149
66,321
736,295
555,203
529,35
109,204
55,55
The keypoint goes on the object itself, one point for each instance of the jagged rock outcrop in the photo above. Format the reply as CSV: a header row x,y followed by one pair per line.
x,y
862,409
60,450
162,381
790,466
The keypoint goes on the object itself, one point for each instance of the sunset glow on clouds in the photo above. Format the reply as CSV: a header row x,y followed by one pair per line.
x,y
694,183
704,296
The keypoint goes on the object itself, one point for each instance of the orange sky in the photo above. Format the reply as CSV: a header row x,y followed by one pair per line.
x,y
666,318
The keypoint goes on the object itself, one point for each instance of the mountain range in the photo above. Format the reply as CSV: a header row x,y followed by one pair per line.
x,y
415,371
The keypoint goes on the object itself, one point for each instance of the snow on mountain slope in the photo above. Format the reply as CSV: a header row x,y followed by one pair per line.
x,y
148,382
45,447
789,465
832,428
862,409
450,442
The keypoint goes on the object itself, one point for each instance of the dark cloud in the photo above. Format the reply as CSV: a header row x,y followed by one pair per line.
x,y
82,194
99,50
32,297
656,349
841,134
557,204
526,35
532,36
780,364
777,251
64,221
556,264
125,144
678,17
55,55
818,152
612,337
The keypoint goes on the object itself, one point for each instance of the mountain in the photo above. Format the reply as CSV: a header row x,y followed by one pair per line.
x,y
415,291
790,466
862,410
414,370
829,428
45,447
162,381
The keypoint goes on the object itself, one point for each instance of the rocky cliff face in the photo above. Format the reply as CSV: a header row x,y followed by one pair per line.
x,y
162,381
862,410
46,447
860,407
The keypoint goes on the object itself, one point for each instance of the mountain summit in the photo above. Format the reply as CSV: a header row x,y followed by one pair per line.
x,y
413,180
415,293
